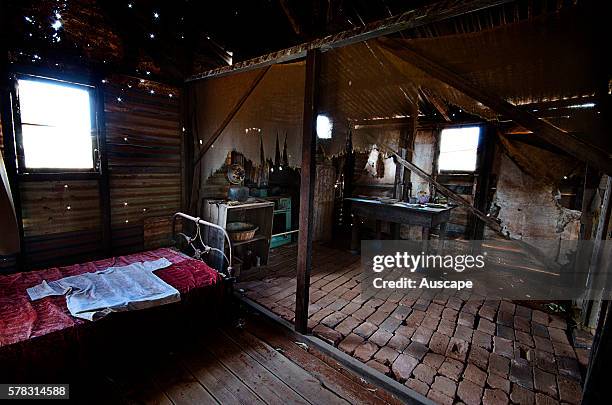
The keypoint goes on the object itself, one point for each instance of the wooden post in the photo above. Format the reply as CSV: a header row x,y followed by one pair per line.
x,y
7,95
10,158
410,139
186,149
437,134
589,191
309,145
596,385
598,239
104,181
484,165
400,170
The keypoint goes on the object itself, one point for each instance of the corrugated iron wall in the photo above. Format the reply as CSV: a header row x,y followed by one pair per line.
x,y
62,220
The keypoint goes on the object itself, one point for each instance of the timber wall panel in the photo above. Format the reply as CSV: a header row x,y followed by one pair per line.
x,y
60,219
143,137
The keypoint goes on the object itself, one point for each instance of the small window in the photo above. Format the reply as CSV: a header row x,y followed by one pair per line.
x,y
324,127
56,125
458,149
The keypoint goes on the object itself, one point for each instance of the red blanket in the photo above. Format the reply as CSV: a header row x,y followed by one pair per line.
x,y
22,319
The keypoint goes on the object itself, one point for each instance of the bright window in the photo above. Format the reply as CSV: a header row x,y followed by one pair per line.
x,y
56,125
324,127
458,149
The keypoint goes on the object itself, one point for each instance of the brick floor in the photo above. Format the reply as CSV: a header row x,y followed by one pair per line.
x,y
451,349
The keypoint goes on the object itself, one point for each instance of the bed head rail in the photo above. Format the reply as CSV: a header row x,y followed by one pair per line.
x,y
198,236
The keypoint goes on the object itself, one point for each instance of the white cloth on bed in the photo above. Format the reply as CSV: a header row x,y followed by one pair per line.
x,y
92,296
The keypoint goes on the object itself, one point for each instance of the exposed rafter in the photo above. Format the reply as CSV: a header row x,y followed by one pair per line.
x,y
408,20
541,128
437,103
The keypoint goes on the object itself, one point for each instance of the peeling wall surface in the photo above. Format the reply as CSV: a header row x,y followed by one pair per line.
x,y
423,157
368,174
528,209
374,170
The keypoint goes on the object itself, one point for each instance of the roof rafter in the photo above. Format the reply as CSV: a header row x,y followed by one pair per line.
x,y
541,128
410,19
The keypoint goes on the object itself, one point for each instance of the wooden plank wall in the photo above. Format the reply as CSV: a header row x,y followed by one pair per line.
x,y
60,219
63,219
143,135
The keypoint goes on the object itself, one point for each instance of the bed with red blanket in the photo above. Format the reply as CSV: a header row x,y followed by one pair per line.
x,y
29,329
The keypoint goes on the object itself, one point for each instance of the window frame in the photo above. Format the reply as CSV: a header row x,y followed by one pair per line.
x,y
76,173
478,147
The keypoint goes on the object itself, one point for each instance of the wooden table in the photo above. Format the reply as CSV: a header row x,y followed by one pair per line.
x,y
397,213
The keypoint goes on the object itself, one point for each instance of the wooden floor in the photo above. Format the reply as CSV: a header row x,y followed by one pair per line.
x,y
254,363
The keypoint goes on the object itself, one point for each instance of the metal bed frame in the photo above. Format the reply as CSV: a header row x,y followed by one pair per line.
x,y
198,238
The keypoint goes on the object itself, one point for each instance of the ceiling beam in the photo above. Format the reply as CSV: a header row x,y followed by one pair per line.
x,y
436,103
419,17
542,129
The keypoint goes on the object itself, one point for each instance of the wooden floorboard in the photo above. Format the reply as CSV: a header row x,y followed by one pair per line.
x,y
330,374
217,379
180,385
290,373
268,386
257,363
148,395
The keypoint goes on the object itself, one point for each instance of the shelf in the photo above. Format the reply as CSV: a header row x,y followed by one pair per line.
x,y
254,239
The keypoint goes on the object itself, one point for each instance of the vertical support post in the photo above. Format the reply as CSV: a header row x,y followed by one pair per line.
x,y
596,386
10,154
400,171
309,144
484,166
186,149
104,181
348,174
589,309
436,157
408,135
7,95
589,190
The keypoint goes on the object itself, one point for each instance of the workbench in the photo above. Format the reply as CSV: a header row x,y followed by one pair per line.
x,y
397,213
